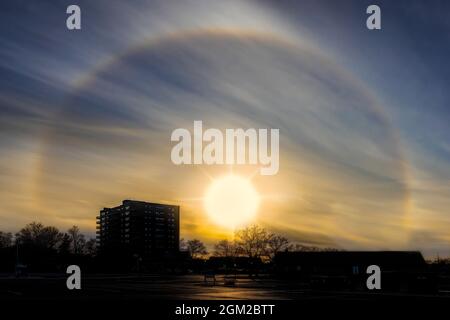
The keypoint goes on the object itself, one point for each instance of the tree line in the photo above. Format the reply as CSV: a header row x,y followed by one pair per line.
x,y
36,235
254,242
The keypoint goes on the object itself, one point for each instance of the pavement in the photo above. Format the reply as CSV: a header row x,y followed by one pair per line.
x,y
183,287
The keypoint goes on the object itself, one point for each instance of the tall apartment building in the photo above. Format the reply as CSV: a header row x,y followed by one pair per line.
x,y
139,228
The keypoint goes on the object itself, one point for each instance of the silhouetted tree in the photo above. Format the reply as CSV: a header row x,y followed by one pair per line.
x,y
225,248
196,248
90,247
183,245
302,247
77,240
64,246
256,242
253,241
43,248
276,244
37,235
5,239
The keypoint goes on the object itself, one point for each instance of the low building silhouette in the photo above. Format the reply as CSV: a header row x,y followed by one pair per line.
x,y
139,231
233,264
401,271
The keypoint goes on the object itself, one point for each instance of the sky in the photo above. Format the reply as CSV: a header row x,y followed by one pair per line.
x,y
86,116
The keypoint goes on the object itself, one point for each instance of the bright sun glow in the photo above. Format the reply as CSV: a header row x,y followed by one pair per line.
x,y
231,201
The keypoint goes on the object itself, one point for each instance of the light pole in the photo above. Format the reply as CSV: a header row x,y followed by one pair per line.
x,y
17,256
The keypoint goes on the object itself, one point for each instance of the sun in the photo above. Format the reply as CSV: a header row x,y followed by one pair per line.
x,y
231,201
